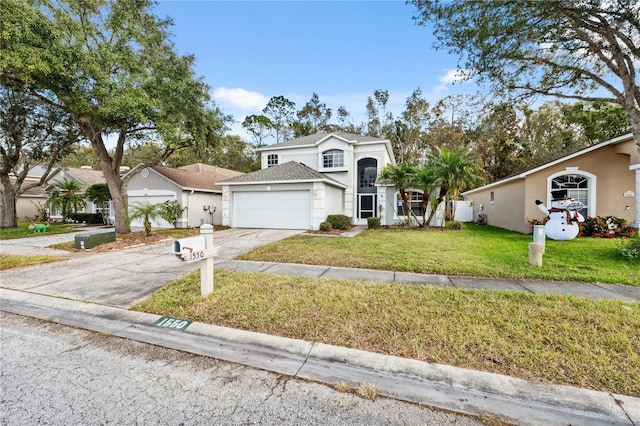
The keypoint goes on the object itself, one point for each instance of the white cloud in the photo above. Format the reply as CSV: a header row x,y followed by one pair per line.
x,y
240,98
454,76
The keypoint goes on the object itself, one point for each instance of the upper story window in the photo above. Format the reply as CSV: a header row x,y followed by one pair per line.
x,y
272,160
333,158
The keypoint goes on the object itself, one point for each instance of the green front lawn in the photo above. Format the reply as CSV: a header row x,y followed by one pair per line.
x,y
474,251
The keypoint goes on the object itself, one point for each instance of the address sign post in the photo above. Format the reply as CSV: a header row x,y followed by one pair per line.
x,y
199,249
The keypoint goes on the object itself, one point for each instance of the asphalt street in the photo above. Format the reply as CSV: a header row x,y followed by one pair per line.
x,y
58,375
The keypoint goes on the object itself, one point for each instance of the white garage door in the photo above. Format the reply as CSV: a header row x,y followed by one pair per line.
x,y
274,209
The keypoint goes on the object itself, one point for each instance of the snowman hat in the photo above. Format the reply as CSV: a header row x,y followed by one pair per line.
x,y
560,194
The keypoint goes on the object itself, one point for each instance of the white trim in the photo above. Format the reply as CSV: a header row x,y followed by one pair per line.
x,y
282,182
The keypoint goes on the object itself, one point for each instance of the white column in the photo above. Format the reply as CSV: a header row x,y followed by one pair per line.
x,y
206,265
636,222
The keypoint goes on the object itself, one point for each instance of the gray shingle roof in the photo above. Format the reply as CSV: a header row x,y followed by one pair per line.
x,y
287,172
197,176
314,139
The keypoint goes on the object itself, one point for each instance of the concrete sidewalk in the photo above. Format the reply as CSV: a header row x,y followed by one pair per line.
x,y
589,290
92,291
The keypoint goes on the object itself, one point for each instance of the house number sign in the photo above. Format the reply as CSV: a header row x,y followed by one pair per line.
x,y
172,323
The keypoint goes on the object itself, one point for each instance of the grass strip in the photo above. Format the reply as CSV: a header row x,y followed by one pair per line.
x,y
559,339
9,261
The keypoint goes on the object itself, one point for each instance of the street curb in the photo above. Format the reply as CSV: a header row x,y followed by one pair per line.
x,y
471,392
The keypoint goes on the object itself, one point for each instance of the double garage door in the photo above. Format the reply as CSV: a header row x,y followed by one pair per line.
x,y
272,209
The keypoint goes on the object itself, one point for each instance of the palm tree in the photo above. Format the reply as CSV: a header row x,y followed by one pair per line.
x,y
455,169
427,181
99,194
145,211
401,176
66,196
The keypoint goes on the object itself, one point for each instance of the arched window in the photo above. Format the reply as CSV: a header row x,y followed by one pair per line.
x,y
579,185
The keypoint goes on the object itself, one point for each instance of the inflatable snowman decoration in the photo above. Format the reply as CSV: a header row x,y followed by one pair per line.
x,y
564,216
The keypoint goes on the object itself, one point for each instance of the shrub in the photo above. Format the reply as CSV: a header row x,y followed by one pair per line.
x,y
408,222
325,226
339,221
170,211
631,250
602,226
42,212
88,218
373,222
454,224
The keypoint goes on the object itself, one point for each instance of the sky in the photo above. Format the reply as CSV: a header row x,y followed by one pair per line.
x,y
250,51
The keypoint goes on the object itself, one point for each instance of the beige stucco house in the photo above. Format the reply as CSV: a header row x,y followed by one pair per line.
x,y
605,177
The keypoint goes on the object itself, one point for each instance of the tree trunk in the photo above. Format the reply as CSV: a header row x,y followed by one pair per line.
x,y
8,217
440,199
425,206
111,169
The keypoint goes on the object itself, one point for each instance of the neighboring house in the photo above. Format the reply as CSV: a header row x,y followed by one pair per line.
x,y
86,177
193,186
28,202
306,179
605,177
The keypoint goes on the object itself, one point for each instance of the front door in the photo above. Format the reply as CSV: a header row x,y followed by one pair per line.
x,y
367,206
367,191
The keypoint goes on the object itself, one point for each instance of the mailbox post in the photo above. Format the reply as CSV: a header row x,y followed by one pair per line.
x,y
206,265
199,249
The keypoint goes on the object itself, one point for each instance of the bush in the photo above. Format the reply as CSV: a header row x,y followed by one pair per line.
x,y
325,226
373,222
631,250
454,224
42,212
339,221
88,218
602,226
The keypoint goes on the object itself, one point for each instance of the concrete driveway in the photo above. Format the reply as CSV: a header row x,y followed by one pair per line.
x,y
118,278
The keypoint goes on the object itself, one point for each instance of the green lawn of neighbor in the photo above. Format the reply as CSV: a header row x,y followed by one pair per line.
x,y
474,251
23,231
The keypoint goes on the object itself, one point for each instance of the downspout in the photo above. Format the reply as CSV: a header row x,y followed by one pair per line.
x,y
189,205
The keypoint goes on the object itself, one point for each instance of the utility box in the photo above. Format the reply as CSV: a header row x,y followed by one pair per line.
x,y
88,240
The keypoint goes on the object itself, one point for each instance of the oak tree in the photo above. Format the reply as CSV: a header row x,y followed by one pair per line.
x,y
109,64
584,49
